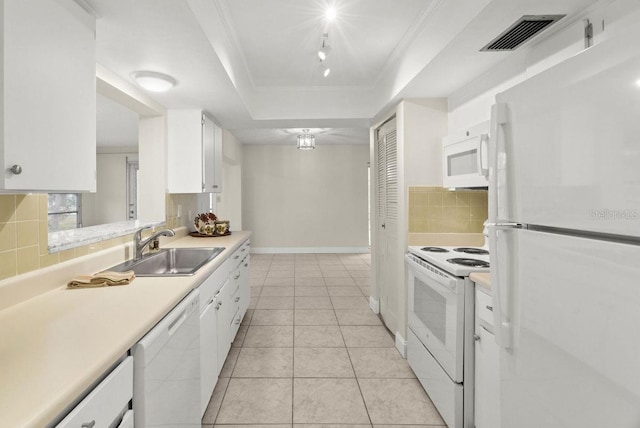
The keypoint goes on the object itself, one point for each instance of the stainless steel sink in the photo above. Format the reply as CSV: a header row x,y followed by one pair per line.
x,y
171,262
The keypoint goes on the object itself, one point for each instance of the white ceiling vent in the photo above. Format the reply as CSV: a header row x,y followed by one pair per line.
x,y
521,31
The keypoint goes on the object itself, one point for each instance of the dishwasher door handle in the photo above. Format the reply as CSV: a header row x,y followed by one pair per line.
x,y
176,323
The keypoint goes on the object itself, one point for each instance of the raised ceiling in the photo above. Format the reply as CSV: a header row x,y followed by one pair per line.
x,y
252,64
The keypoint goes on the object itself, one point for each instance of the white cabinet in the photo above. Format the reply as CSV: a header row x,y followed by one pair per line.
x,y
107,405
221,311
194,152
225,311
240,285
487,365
209,332
48,91
245,286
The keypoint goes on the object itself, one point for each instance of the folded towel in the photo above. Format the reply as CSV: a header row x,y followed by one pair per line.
x,y
102,279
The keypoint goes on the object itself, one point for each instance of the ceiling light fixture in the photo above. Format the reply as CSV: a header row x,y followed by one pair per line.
x,y
306,141
331,13
325,70
153,81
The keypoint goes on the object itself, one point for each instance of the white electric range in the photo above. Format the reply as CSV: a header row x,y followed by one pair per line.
x,y
458,261
441,324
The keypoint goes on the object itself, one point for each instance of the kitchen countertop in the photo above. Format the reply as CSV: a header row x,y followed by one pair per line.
x,y
483,279
54,346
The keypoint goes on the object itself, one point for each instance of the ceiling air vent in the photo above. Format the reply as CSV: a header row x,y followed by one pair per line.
x,y
521,31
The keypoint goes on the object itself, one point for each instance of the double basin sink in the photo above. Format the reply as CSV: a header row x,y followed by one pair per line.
x,y
170,262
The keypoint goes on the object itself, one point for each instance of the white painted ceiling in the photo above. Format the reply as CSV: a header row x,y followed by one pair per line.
x,y
252,64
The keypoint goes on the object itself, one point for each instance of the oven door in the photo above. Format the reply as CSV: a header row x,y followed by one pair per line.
x,y
436,313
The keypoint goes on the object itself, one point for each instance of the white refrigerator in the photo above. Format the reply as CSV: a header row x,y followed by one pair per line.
x,y
564,229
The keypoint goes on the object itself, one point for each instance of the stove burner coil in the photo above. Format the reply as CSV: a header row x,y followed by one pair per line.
x,y
471,250
434,249
469,262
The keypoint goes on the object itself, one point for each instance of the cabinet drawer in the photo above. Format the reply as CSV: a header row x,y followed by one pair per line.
x,y
107,402
214,283
484,309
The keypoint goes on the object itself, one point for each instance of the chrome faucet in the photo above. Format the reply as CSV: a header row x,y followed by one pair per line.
x,y
139,244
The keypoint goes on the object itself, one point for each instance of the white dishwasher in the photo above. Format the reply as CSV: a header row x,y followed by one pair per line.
x,y
166,375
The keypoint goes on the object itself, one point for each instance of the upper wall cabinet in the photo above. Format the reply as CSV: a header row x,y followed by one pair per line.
x,y
194,152
48,91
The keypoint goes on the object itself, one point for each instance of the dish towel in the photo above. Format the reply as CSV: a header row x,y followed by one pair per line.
x,y
102,279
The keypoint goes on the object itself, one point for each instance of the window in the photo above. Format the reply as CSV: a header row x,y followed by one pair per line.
x,y
64,211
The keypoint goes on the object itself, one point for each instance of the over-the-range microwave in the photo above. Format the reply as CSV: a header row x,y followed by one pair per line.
x,y
465,158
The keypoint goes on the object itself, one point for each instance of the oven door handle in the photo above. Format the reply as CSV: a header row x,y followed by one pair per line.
x,y
446,283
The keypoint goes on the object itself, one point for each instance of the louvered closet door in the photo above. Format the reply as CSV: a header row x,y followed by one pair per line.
x,y
387,228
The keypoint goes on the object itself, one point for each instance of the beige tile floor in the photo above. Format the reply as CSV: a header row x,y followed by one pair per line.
x,y
311,354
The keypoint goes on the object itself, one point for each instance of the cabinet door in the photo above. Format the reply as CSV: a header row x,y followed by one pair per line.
x,y
225,310
208,352
245,286
487,367
184,151
194,147
48,90
212,155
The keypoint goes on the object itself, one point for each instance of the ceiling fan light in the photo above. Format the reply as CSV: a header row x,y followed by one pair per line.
x,y
306,141
153,81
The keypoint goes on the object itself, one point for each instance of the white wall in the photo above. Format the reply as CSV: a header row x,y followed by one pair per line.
x,y
424,124
296,201
472,103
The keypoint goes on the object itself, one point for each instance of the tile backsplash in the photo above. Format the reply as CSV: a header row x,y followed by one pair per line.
x,y
24,232
24,236
440,210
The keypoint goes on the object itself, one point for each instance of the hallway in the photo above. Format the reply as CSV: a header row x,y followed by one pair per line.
x,y
310,352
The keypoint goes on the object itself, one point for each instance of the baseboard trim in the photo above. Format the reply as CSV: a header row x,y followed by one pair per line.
x,y
374,304
309,250
401,345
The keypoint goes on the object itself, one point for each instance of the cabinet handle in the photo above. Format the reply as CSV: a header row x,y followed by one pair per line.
x,y
237,299
476,338
88,424
16,169
238,321
490,308
246,265
236,257
218,305
215,186
237,276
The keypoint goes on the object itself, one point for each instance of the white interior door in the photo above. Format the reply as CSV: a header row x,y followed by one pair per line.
x,y
387,266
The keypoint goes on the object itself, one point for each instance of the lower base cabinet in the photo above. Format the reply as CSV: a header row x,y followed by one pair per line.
x,y
107,405
487,365
225,300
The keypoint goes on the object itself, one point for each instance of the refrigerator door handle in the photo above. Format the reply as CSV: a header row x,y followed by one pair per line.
x,y
482,167
497,162
499,287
